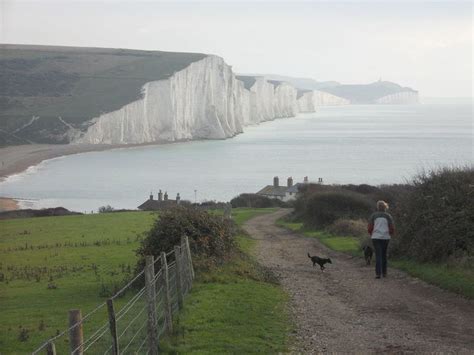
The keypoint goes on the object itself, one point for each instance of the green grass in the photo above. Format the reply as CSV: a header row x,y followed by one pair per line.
x,y
97,251
85,257
452,278
343,244
234,308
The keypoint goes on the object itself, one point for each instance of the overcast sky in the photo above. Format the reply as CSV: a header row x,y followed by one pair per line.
x,y
424,45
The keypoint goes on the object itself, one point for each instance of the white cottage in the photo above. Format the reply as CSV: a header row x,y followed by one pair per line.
x,y
284,193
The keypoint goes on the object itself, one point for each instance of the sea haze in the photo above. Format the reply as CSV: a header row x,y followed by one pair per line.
x,y
348,144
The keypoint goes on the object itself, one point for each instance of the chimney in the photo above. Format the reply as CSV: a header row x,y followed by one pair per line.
x,y
290,182
276,182
160,196
178,198
166,196
151,196
305,180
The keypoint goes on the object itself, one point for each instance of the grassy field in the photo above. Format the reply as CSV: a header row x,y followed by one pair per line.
x,y
450,277
52,264
84,257
236,308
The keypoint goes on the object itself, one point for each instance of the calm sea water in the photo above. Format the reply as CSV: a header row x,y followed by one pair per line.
x,y
352,144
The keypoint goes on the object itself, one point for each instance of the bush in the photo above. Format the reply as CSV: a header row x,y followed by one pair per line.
x,y
256,201
348,227
211,237
106,209
321,209
436,220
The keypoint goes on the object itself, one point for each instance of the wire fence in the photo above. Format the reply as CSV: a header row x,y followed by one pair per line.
x,y
131,322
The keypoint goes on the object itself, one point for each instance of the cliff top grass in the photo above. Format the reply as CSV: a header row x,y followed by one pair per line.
x,y
74,83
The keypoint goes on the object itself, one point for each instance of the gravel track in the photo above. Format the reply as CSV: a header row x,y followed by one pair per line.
x,y
345,309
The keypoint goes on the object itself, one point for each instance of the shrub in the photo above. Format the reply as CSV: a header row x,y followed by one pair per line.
x,y
211,237
256,201
321,209
436,220
106,209
348,227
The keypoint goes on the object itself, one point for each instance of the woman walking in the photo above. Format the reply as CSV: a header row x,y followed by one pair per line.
x,y
381,229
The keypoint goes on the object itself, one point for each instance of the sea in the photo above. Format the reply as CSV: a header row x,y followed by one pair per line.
x,y
371,144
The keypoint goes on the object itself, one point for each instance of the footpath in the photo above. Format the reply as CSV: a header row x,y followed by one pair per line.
x,y
345,309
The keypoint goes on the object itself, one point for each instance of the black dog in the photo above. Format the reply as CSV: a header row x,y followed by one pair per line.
x,y
368,254
319,261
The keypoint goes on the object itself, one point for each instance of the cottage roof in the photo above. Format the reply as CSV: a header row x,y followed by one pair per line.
x,y
273,190
156,204
295,188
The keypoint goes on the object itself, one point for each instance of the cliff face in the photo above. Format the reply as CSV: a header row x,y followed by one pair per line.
x,y
284,100
322,98
374,93
399,98
306,101
200,101
203,101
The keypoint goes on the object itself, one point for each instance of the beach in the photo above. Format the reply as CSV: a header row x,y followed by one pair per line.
x,y
18,158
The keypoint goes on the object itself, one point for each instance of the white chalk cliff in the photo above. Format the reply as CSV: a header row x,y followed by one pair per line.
x,y
199,101
203,101
206,100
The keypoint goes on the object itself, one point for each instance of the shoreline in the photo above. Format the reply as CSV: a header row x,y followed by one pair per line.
x,y
18,158
8,204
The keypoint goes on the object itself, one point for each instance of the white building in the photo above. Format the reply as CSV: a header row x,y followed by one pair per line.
x,y
284,193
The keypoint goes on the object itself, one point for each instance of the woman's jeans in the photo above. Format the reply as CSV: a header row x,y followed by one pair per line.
x,y
380,246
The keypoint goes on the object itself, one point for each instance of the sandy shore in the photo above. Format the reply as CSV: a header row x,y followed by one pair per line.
x,y
15,159
8,204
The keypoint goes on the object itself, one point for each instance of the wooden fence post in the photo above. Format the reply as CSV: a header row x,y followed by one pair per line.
x,y
113,326
179,270
50,349
76,335
190,260
166,293
150,299
186,279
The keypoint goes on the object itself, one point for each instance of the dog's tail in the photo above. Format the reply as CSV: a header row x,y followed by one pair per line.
x,y
309,256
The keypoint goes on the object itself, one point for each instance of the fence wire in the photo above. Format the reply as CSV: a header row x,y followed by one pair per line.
x,y
131,311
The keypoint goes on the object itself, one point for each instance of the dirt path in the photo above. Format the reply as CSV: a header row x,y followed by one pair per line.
x,y
345,309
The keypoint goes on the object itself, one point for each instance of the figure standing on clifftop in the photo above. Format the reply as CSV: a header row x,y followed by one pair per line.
x,y
381,228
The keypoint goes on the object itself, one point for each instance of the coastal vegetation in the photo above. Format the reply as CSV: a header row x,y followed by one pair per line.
x,y
52,264
235,307
434,218
256,201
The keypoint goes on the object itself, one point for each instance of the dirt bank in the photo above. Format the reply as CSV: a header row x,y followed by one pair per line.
x,y
345,309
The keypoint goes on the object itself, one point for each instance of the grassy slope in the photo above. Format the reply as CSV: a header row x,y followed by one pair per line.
x,y
233,309
26,302
452,278
108,241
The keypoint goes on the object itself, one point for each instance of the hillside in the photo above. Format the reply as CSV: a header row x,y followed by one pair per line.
x,y
46,90
369,93
301,83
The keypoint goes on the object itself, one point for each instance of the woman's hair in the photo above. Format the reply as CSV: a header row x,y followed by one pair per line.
x,y
382,205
